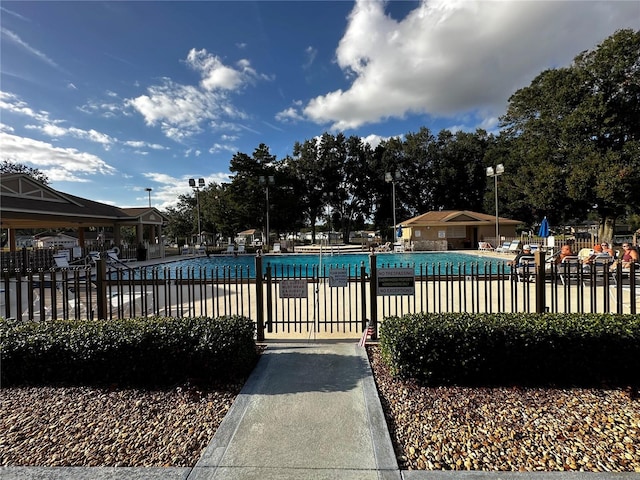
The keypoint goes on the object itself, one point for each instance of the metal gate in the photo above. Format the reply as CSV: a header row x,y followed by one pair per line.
x,y
323,300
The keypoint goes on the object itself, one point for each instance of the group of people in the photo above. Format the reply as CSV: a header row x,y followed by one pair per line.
x,y
628,255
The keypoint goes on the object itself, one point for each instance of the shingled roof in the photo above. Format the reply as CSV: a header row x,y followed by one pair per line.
x,y
26,203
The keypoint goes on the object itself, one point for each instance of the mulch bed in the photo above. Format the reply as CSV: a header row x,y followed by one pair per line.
x,y
509,429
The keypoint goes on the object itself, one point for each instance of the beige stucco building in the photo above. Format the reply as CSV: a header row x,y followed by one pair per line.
x,y
454,230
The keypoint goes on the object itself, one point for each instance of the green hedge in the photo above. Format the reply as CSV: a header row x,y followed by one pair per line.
x,y
158,351
514,349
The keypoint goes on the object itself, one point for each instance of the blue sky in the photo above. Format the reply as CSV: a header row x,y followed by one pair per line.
x,y
111,98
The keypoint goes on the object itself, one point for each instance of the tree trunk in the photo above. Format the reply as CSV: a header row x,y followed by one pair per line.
x,y
606,228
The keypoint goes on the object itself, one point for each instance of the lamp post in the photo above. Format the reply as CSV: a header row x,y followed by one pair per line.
x,y
148,190
495,173
392,178
266,181
196,188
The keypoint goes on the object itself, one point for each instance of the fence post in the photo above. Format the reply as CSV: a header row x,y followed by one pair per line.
x,y
259,300
363,295
373,295
101,287
541,300
269,301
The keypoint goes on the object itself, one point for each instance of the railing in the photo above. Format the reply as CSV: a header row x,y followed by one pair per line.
x,y
308,300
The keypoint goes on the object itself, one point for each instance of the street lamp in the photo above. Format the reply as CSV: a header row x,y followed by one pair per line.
x,y
266,181
148,190
495,173
393,178
196,188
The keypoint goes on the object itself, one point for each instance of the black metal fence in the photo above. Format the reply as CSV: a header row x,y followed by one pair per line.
x,y
313,300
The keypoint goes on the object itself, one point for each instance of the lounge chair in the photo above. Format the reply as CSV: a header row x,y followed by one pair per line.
x,y
184,250
384,248
241,249
570,269
485,247
276,248
526,269
504,248
514,247
231,249
201,250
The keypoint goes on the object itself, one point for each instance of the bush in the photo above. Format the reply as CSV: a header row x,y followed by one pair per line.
x,y
583,349
159,351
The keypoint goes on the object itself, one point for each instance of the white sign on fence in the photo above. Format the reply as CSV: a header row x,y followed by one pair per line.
x,y
396,281
293,288
338,277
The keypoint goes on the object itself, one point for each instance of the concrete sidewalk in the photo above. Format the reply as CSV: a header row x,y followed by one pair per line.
x,y
308,411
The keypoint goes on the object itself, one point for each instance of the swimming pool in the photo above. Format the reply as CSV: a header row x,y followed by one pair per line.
x,y
428,263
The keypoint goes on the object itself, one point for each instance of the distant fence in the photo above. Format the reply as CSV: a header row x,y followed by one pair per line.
x,y
310,299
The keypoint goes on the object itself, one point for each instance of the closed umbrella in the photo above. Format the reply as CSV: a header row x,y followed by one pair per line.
x,y
543,231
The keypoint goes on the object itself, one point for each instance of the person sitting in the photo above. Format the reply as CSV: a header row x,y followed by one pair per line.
x,y
606,248
526,252
629,255
565,251
597,250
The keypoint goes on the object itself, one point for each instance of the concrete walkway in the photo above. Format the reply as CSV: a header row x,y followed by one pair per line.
x,y
309,411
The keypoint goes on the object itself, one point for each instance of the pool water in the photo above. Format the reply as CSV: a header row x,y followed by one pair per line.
x,y
305,264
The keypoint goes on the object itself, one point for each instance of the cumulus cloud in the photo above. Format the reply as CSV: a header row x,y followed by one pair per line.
x,y
448,56
180,110
57,163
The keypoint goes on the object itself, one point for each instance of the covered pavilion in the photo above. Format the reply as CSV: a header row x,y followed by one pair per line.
x,y
26,203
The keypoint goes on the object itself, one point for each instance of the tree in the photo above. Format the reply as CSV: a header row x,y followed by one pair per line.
x,y
10,167
577,132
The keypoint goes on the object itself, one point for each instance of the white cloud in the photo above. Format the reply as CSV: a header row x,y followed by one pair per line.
x,y
447,57
57,163
289,115
55,131
12,103
33,51
311,54
180,110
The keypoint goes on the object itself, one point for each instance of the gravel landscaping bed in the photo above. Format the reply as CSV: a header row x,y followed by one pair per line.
x,y
82,426
509,429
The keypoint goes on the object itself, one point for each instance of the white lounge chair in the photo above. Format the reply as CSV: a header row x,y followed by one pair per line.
x,y
231,249
514,247
241,249
504,248
526,268
276,248
485,247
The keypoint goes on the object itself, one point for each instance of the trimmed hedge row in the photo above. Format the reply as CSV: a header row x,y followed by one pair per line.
x,y
514,349
148,351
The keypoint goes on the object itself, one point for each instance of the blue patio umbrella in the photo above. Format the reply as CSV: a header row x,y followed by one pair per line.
x,y
399,231
543,231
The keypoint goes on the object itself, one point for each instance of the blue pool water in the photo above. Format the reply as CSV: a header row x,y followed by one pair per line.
x,y
306,264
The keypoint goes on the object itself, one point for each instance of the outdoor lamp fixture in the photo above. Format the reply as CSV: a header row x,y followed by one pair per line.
x,y
393,178
491,172
266,181
196,188
148,190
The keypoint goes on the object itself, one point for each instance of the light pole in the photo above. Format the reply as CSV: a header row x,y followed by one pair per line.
x,y
392,178
148,190
196,188
495,173
266,181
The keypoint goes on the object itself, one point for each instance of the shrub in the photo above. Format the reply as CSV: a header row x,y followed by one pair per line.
x,y
514,349
161,350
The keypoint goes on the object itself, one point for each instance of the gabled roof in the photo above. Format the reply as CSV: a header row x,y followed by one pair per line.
x,y
456,217
27,203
